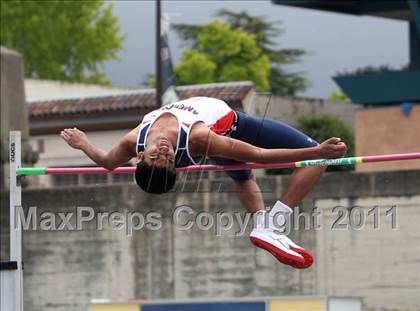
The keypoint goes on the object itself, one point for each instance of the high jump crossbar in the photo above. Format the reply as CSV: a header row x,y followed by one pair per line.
x,y
197,168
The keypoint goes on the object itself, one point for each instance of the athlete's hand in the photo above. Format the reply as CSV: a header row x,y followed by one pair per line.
x,y
74,137
332,148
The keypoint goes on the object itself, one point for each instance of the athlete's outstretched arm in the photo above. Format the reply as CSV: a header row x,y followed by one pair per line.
x,y
212,144
119,155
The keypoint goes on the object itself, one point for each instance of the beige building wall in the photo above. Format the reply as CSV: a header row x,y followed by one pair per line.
x,y
36,89
385,131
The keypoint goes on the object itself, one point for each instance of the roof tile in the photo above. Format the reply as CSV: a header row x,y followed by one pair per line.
x,y
141,99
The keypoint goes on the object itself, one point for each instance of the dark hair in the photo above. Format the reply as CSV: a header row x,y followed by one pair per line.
x,y
154,179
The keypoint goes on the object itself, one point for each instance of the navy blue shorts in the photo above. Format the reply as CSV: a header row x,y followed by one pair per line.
x,y
264,133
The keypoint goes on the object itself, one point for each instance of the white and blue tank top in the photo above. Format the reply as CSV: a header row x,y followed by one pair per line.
x,y
215,113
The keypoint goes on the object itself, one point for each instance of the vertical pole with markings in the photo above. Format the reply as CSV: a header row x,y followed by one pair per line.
x,y
12,271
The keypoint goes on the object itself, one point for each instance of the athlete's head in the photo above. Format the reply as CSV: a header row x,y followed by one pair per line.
x,y
155,172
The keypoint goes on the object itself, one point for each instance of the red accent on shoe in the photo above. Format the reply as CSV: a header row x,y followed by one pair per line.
x,y
309,259
283,257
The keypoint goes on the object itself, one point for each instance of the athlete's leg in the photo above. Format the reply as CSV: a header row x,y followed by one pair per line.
x,y
249,194
300,184
246,188
267,133
279,245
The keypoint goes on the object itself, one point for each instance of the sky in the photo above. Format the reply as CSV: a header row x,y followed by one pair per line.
x,y
333,42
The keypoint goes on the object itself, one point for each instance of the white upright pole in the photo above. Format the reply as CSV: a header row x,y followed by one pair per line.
x,y
12,275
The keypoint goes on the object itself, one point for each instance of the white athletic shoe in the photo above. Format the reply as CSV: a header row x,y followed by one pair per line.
x,y
279,244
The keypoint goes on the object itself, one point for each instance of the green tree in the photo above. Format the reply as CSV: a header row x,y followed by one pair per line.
x,y
224,54
338,95
62,40
195,68
264,32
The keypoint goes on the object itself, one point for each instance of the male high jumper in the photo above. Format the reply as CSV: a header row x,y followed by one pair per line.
x,y
186,132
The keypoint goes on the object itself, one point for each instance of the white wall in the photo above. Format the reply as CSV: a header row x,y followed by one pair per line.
x,y
47,89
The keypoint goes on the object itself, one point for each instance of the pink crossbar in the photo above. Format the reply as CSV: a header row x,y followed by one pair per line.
x,y
198,168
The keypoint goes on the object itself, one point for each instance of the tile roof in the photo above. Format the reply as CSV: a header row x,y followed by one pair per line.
x,y
139,99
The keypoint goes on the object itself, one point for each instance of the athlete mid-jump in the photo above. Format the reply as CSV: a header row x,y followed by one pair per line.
x,y
188,131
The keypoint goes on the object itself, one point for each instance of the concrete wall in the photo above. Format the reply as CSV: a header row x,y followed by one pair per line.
x,y
382,264
387,130
64,270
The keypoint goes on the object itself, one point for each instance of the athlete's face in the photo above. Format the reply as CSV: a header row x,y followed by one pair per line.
x,y
159,152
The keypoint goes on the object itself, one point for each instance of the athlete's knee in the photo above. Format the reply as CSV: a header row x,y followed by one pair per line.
x,y
246,178
240,175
